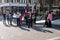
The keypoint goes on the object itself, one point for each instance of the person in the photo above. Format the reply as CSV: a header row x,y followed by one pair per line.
x,y
4,17
49,17
26,17
18,18
48,20
30,20
9,18
47,23
46,15
35,13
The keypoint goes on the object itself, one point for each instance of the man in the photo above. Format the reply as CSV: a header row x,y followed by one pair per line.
x,y
18,18
30,20
26,17
35,14
9,18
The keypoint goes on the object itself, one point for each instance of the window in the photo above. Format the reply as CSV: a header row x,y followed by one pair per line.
x,y
24,1
7,1
12,0
29,1
18,1
21,1
33,1
2,1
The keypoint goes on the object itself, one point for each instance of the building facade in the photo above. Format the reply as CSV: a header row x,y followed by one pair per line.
x,y
14,5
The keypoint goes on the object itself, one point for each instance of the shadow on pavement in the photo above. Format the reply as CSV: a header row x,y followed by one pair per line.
x,y
41,29
23,28
57,27
7,25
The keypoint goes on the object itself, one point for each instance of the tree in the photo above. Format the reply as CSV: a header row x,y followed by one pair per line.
x,y
41,5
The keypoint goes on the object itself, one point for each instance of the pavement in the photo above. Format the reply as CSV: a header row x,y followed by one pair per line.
x,y
36,33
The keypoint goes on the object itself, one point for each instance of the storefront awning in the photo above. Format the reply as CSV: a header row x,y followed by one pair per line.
x,y
15,4
11,4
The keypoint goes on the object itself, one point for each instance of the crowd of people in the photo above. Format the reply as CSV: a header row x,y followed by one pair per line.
x,y
28,18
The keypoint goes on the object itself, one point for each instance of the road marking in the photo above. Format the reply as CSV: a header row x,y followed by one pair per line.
x,y
54,38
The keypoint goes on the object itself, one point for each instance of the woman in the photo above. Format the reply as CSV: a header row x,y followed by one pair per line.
x,y
26,17
20,20
48,20
49,17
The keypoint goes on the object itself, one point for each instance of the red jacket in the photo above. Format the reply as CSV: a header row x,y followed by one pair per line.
x,y
26,14
20,18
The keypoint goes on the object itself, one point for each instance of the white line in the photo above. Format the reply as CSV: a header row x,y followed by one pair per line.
x,y
54,38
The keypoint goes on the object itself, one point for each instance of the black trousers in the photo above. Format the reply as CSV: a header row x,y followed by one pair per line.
x,y
20,24
18,21
10,21
34,20
26,20
30,24
48,24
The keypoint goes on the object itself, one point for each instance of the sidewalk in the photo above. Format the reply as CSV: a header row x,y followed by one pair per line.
x,y
36,33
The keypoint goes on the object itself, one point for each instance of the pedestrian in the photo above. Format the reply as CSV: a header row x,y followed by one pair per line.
x,y
18,18
49,17
26,17
9,18
35,13
46,15
4,18
30,20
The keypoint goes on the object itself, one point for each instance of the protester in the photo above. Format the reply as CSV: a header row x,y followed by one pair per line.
x,y
4,17
49,17
35,13
26,17
9,18
30,20
18,18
